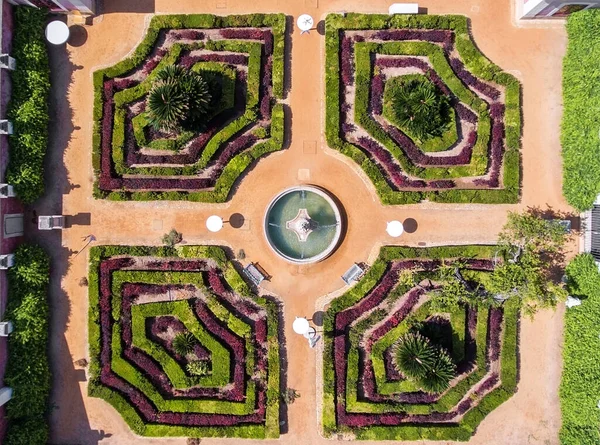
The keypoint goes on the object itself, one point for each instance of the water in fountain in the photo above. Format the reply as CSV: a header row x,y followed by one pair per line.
x,y
323,219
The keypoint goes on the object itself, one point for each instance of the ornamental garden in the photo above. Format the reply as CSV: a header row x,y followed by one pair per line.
x,y
195,105
399,365
179,344
427,117
422,347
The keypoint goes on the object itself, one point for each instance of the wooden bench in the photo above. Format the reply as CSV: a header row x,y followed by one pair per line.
x,y
404,8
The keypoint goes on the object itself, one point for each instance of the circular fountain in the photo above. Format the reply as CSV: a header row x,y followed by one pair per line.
x,y
303,224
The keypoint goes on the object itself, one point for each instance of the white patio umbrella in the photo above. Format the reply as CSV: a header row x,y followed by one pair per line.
x,y
394,228
300,325
214,223
57,32
305,23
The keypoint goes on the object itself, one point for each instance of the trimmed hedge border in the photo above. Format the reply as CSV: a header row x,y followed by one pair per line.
x,y
248,409
28,107
339,69
27,369
359,407
579,128
263,101
580,383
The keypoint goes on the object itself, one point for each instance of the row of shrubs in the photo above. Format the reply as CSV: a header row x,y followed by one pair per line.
x,y
579,131
266,425
580,384
475,62
234,167
28,107
27,369
368,426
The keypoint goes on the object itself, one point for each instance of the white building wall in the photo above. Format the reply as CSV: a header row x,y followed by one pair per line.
x,y
553,9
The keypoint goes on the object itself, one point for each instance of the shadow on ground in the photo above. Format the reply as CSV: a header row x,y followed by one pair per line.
x,y
66,398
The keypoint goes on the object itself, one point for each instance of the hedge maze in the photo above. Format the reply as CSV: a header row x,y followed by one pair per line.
x,y
365,395
244,55
222,382
475,160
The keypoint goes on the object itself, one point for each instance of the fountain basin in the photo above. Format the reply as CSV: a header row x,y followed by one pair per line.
x,y
303,224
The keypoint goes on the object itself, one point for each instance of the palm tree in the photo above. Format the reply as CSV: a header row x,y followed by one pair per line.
x,y
178,98
184,343
414,355
420,108
437,379
167,105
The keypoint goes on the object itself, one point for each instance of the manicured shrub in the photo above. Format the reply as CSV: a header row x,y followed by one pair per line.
x,y
579,131
27,369
28,106
580,380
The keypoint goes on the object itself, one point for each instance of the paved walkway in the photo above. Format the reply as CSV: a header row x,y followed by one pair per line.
x,y
533,55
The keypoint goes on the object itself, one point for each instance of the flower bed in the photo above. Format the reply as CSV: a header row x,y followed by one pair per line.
x,y
366,51
245,54
141,298
362,391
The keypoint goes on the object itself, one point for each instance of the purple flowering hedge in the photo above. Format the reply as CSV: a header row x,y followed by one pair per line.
x,y
133,161
364,52
365,394
141,298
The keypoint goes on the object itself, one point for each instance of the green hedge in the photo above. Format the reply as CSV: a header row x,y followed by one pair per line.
x,y
451,432
580,384
27,369
129,373
241,162
474,61
581,102
28,108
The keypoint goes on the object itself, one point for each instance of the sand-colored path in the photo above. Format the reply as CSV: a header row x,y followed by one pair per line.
x,y
533,55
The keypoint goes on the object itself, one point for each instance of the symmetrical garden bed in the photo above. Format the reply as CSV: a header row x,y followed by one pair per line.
x,y
143,302
245,54
475,160
366,396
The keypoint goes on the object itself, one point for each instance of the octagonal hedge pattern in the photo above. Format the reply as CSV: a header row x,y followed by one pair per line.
x,y
141,298
245,55
363,393
476,160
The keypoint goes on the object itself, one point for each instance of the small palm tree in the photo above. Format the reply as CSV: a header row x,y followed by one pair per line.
x,y
184,343
198,367
421,109
167,105
178,98
414,355
437,379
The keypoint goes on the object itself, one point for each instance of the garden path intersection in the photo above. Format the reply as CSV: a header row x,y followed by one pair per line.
x,y
534,56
